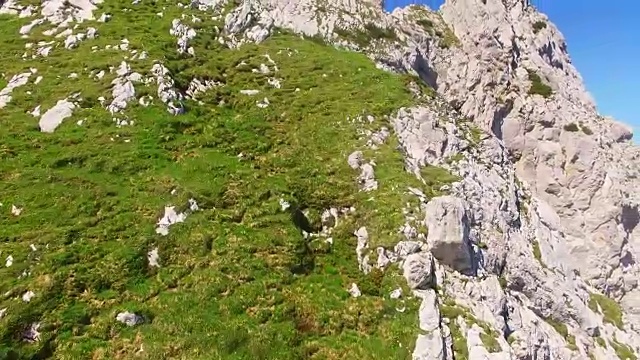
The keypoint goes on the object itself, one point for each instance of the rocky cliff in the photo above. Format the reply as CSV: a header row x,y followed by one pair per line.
x,y
308,179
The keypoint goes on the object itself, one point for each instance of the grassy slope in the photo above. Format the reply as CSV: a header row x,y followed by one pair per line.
x,y
228,286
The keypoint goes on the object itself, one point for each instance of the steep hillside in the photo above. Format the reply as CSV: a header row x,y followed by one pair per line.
x,y
314,179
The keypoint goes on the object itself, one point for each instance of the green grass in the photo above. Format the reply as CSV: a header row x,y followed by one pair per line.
x,y
236,281
585,129
455,158
448,38
367,35
572,127
537,254
538,87
503,282
460,349
564,332
423,18
559,327
426,24
475,135
623,351
490,343
449,309
611,310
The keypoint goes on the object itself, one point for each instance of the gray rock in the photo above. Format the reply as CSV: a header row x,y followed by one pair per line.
x,y
184,34
429,314
429,347
32,333
448,237
367,178
129,319
153,257
167,93
406,248
418,270
362,249
15,82
53,117
355,159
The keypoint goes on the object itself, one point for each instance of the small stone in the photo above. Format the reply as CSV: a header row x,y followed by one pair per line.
x,y
129,319
249,92
31,334
16,211
153,257
354,290
284,205
26,297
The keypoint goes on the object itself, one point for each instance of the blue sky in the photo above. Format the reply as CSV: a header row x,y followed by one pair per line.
x,y
604,45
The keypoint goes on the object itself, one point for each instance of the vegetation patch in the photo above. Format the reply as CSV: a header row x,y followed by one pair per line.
x,y
475,134
448,38
538,26
413,81
427,25
585,129
572,127
538,87
611,310
623,351
452,311
503,282
537,254
236,279
435,179
454,158
564,332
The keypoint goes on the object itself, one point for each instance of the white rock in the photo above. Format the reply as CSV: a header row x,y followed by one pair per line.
x,y
27,296
53,117
249,92
396,294
284,205
153,257
354,290
170,217
129,319
15,82
418,270
15,211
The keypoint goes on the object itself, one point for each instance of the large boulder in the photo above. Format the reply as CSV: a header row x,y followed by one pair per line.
x,y
448,238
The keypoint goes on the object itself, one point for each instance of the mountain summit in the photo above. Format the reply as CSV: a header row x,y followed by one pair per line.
x,y
312,179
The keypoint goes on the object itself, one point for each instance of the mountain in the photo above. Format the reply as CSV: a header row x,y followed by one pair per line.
x,y
317,179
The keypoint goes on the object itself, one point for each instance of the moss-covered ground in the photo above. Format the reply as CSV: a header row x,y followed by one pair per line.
x,y
235,280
